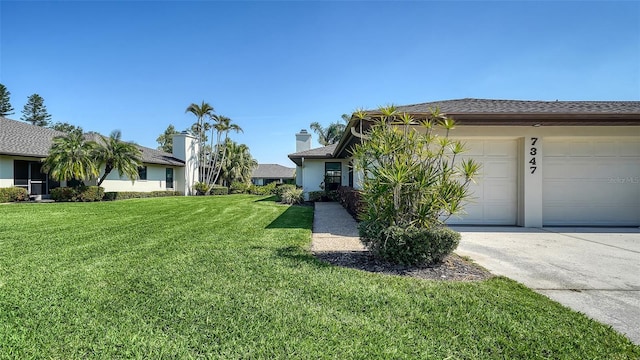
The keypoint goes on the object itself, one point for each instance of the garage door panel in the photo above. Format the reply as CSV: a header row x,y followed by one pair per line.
x,y
494,195
591,182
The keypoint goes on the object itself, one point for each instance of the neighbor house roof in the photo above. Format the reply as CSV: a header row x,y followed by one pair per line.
x,y
325,152
19,138
273,171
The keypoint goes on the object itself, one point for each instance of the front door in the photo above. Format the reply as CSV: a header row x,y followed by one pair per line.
x,y
29,175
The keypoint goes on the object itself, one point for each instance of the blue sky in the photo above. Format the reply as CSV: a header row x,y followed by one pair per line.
x,y
275,67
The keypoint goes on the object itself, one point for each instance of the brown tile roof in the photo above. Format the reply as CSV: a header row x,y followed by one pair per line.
x,y
273,171
489,106
23,139
325,152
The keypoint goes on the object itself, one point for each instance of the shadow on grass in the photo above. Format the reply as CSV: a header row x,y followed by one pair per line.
x,y
299,255
271,198
295,217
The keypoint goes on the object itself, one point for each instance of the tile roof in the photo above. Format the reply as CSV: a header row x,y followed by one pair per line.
x,y
273,171
489,106
23,139
321,152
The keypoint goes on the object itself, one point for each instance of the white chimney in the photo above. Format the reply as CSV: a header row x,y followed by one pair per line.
x,y
185,148
303,141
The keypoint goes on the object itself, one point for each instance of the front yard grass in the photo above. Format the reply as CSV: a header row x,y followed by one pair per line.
x,y
230,277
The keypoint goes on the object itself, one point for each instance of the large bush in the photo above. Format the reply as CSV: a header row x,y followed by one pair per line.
x,y
219,190
292,196
279,190
82,193
351,199
268,189
414,180
201,188
12,194
239,187
410,245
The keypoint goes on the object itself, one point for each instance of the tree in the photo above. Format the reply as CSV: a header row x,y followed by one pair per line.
x,y
413,181
5,102
115,154
332,133
165,140
66,127
35,111
222,127
202,112
72,157
238,164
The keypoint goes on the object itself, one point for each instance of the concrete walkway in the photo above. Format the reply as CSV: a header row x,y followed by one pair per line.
x,y
334,230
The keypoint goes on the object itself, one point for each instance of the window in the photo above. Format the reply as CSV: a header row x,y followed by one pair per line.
x,y
142,173
332,175
169,178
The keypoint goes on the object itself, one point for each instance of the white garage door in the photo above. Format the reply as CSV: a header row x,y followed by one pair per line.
x,y
494,196
591,181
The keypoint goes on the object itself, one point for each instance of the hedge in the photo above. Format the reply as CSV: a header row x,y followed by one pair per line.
x,y
12,194
122,195
219,190
82,193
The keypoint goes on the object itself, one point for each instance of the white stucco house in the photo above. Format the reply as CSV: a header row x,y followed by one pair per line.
x,y
544,163
23,146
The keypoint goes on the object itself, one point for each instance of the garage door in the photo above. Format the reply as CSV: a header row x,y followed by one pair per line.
x,y
591,181
494,196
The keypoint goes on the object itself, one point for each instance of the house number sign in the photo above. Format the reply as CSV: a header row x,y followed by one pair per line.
x,y
533,152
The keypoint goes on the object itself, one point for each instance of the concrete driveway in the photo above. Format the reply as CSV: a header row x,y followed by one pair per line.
x,y
595,271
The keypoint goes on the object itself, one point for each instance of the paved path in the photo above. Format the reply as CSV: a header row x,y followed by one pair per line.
x,y
595,271
334,230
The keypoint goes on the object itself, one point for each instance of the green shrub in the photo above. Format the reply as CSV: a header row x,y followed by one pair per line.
x,y
81,193
12,194
410,246
282,189
292,196
219,190
201,188
315,195
238,187
268,189
123,195
351,200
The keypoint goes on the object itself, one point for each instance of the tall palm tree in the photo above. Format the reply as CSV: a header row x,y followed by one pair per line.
x,y
115,154
72,157
202,112
238,164
222,126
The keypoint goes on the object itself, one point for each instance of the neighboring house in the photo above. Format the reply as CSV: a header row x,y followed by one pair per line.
x,y
544,163
23,146
268,173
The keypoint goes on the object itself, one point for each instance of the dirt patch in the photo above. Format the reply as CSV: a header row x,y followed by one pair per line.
x,y
452,268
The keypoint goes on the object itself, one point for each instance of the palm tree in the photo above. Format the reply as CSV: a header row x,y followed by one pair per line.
x,y
201,126
115,154
332,133
222,127
71,157
238,164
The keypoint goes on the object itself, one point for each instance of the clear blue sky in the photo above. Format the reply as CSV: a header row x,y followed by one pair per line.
x,y
275,67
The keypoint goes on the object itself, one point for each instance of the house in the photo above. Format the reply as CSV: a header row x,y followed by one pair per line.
x,y
544,163
268,173
23,146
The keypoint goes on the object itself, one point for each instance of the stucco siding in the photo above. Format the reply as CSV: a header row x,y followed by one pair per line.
x,y
156,181
314,173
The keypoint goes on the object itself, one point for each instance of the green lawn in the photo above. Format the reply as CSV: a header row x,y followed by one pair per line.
x,y
231,277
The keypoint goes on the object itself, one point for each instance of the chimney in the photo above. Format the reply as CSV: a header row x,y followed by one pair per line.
x,y
185,148
303,141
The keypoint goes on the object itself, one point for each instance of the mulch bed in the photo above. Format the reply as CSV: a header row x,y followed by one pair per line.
x,y
452,268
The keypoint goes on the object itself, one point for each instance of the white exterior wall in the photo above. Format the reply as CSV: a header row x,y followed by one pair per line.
x,y
156,180
185,148
6,171
313,170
